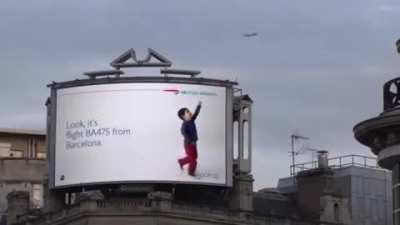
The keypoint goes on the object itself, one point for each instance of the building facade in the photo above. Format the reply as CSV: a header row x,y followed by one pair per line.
x,y
365,186
22,165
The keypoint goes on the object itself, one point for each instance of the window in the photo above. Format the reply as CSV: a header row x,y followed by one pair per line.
x,y
37,195
32,148
336,212
66,198
73,198
5,149
246,143
41,155
15,153
236,140
245,110
70,198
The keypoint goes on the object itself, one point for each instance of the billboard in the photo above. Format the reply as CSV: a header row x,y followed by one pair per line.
x,y
140,132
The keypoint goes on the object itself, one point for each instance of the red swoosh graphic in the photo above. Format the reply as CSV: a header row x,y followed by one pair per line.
x,y
175,91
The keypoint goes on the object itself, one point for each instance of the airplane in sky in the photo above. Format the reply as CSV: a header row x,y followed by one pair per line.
x,y
250,34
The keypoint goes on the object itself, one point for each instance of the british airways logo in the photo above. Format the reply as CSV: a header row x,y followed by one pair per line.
x,y
189,92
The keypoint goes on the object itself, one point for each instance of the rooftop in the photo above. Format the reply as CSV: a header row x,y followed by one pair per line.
x,y
22,131
340,162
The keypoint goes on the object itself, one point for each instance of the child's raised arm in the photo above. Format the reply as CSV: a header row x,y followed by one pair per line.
x,y
197,111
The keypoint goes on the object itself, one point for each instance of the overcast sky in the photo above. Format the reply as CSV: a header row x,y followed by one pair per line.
x,y
316,67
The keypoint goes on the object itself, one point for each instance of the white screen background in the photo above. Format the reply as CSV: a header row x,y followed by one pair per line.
x,y
151,150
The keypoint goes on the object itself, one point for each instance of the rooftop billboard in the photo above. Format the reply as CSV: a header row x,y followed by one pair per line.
x,y
141,132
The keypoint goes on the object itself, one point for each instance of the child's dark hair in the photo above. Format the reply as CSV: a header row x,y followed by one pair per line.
x,y
181,112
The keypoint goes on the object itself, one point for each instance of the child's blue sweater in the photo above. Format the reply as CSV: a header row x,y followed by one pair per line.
x,y
189,130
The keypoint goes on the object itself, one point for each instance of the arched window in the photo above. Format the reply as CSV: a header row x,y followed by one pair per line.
x,y
236,140
336,212
246,140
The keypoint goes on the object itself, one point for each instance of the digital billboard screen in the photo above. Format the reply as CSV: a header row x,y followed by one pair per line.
x,y
140,132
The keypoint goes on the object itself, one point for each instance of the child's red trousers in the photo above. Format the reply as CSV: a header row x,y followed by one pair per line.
x,y
190,158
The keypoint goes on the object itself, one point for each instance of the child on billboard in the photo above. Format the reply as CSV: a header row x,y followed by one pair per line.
x,y
189,132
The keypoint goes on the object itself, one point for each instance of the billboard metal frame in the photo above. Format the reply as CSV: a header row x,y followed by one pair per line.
x,y
52,118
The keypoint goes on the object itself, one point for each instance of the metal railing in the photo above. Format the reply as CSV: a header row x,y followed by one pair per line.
x,y
339,162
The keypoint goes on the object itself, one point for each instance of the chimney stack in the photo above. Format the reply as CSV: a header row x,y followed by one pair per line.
x,y
323,159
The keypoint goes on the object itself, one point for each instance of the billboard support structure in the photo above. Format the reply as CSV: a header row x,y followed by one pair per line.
x,y
102,73
130,54
191,73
